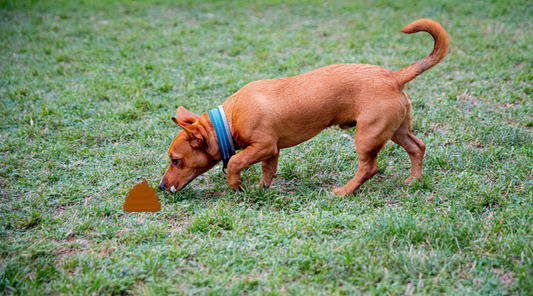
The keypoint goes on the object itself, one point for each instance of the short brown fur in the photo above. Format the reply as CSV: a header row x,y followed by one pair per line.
x,y
268,115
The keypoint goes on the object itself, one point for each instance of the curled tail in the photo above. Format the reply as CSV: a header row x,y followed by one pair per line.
x,y
439,50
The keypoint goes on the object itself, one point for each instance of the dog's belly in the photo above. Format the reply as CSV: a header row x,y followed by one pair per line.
x,y
289,135
293,128
300,118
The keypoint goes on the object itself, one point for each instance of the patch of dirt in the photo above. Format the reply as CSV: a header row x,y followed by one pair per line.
x,y
65,251
505,277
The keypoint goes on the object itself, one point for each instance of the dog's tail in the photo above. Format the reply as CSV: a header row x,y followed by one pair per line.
x,y
439,50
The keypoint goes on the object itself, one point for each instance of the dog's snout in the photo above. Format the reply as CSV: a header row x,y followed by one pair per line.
x,y
162,186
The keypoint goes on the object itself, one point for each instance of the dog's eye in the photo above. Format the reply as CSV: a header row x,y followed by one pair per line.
x,y
175,161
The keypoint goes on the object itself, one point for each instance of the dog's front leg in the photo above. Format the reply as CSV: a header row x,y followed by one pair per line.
x,y
252,154
270,166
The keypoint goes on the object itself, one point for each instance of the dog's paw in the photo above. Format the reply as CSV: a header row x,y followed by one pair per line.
x,y
342,191
408,181
261,186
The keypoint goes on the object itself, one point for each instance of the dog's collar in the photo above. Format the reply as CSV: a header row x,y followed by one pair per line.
x,y
224,138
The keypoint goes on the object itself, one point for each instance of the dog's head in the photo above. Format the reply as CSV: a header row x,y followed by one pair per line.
x,y
192,153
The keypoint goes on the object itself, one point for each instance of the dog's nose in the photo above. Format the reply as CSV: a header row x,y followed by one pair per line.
x,y
162,186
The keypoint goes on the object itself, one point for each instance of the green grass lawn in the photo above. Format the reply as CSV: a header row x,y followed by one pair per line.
x,y
87,89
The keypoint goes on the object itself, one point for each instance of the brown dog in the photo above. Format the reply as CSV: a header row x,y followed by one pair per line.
x,y
268,115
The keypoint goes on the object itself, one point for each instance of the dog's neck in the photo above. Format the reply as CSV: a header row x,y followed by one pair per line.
x,y
214,142
228,109
224,137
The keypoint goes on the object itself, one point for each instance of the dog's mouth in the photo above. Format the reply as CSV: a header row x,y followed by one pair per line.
x,y
178,187
173,189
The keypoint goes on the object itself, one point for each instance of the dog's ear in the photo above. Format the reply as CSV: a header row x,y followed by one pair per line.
x,y
188,122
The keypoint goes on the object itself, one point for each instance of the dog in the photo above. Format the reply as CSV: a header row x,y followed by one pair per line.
x,y
268,115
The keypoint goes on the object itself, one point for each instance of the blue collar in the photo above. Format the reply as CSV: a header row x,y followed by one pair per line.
x,y
224,138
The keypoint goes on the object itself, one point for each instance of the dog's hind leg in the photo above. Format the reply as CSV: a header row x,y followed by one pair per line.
x,y
414,147
369,139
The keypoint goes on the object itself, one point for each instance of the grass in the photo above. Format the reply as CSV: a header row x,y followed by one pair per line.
x,y
86,94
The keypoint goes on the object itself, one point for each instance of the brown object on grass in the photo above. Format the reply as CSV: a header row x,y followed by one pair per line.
x,y
142,198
